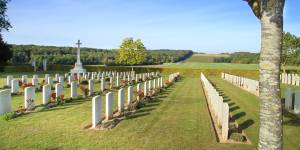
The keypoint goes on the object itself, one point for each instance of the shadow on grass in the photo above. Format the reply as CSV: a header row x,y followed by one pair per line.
x,y
246,124
232,108
238,115
291,119
154,103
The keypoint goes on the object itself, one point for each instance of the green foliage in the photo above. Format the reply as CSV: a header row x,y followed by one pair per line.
x,y
239,58
5,52
131,52
84,82
290,49
9,116
24,54
238,137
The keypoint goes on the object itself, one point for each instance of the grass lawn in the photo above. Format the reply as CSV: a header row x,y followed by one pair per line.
x,y
210,58
176,119
206,61
245,108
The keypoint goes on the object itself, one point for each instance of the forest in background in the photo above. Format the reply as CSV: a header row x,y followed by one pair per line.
x,y
25,54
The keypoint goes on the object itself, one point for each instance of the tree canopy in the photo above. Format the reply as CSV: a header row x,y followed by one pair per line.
x,y
5,52
131,52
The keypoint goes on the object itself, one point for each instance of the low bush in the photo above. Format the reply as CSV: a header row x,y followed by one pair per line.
x,y
9,116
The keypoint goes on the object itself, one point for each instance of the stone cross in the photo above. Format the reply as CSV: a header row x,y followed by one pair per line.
x,y
78,51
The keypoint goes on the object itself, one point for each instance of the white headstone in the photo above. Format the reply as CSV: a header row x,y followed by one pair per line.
x,y
35,76
111,82
14,86
59,89
29,98
297,102
118,81
91,87
8,80
145,89
35,82
225,121
121,100
109,106
46,93
61,80
73,89
24,79
102,84
46,77
129,95
96,111
288,98
5,101
50,80
56,77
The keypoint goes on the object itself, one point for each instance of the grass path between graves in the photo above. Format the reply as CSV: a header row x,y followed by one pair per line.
x,y
245,108
176,119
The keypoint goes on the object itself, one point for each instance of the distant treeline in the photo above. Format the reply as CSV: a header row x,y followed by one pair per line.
x,y
240,58
25,54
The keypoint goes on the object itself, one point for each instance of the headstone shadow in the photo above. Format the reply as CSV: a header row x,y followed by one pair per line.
x,y
291,119
246,124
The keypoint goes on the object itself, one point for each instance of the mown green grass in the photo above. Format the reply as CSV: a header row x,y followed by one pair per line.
x,y
208,58
200,65
177,119
245,107
206,61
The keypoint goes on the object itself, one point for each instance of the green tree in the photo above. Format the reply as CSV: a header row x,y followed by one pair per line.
x,y
5,52
131,52
270,14
290,48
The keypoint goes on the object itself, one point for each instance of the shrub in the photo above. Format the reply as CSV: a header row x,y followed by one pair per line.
x,y
9,116
237,137
84,82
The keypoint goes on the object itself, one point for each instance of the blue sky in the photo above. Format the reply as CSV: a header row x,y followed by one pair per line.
x,y
210,26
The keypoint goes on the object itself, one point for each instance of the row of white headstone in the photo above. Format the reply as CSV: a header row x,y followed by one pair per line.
x,y
290,79
291,100
113,75
149,88
247,84
218,108
29,96
29,92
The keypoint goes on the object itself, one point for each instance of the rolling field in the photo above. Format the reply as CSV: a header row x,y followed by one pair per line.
x,y
205,61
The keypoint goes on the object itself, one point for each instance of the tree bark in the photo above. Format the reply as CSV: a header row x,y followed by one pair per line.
x,y
270,132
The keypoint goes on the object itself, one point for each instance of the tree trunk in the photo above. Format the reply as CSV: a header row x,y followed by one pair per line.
x,y
270,132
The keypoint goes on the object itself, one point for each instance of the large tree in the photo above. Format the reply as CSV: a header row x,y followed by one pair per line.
x,y
131,52
270,14
5,52
290,48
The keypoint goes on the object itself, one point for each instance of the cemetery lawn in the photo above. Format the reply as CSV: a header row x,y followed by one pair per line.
x,y
245,108
176,119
